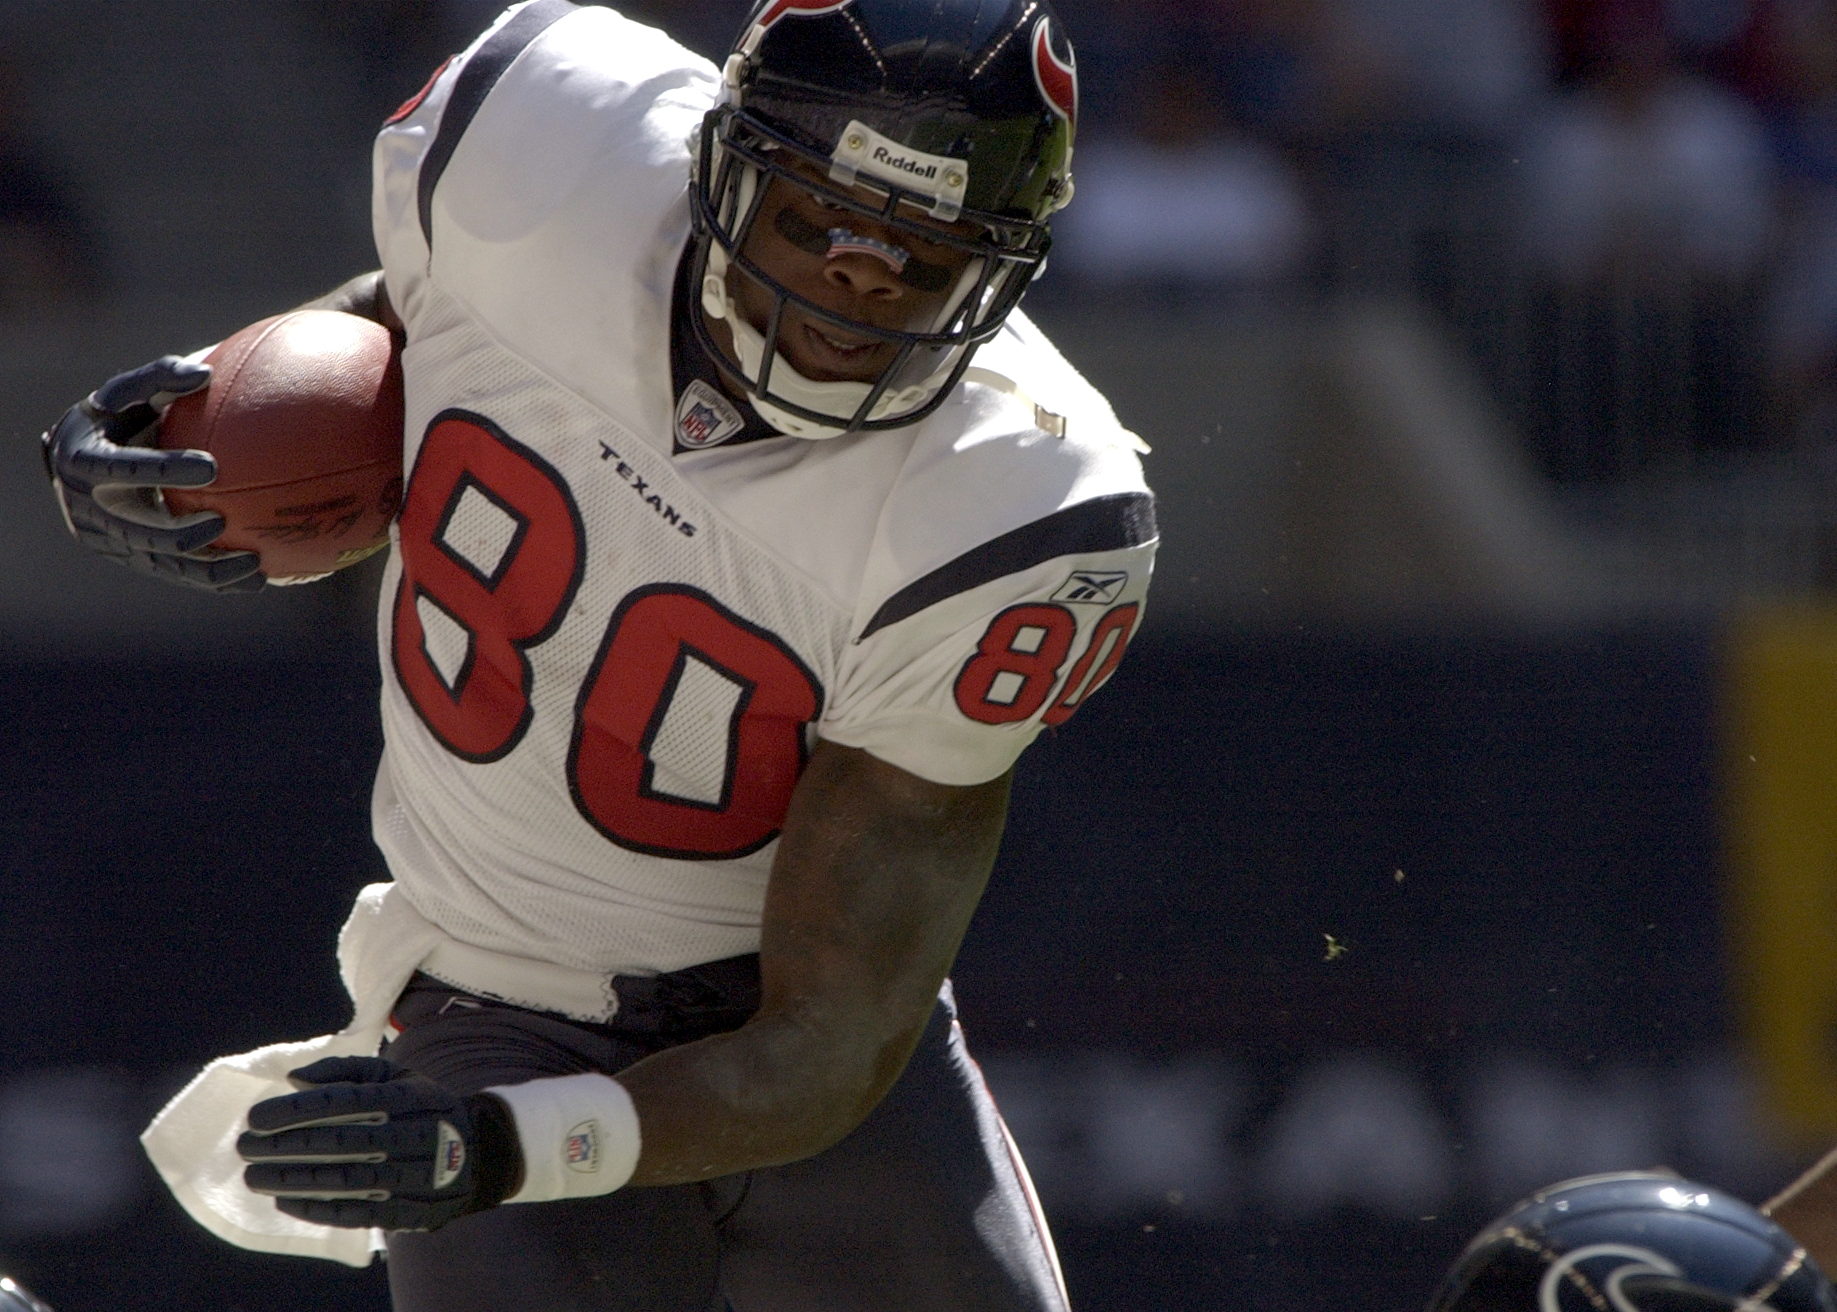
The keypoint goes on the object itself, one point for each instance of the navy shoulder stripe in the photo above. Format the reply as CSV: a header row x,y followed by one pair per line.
x,y
476,79
1112,523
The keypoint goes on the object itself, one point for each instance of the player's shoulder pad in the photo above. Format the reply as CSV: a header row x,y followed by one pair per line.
x,y
505,130
1026,435
1024,354
575,52
1025,468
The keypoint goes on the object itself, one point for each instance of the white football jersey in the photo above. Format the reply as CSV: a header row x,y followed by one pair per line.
x,y
608,653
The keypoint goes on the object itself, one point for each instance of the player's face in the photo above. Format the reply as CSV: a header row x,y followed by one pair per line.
x,y
852,265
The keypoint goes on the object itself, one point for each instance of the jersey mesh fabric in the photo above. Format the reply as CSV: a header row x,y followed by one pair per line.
x,y
499,853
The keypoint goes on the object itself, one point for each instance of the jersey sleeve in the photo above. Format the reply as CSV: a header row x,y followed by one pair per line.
x,y
506,133
1010,572
403,241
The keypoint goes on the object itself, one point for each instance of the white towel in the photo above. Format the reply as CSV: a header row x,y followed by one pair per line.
x,y
193,1140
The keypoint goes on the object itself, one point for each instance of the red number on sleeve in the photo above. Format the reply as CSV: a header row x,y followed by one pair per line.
x,y
1016,663
1108,640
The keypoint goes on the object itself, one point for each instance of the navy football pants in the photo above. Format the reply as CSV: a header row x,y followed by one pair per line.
x,y
922,1208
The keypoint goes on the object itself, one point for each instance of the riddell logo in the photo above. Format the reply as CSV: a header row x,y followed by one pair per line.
x,y
860,149
905,165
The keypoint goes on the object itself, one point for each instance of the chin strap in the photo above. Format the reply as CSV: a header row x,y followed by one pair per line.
x,y
840,399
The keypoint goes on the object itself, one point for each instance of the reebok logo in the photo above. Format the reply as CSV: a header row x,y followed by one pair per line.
x,y
1092,587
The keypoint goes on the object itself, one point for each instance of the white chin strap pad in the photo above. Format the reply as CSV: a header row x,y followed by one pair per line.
x,y
579,1135
839,399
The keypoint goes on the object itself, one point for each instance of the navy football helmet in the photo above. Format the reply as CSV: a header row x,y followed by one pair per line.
x,y
15,1298
957,118
1633,1242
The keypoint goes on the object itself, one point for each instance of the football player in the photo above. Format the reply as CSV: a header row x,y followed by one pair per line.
x,y
1635,1241
749,535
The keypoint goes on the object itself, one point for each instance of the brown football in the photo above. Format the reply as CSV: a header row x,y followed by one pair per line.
x,y
304,416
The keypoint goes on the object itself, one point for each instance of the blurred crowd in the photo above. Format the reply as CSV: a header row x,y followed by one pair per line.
x,y
1687,127
1627,208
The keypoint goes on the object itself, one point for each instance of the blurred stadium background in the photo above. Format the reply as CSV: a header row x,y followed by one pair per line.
x,y
1465,817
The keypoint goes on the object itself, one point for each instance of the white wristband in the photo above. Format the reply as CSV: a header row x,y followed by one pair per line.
x,y
579,1135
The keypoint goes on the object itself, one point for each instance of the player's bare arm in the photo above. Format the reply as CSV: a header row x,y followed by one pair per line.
x,y
876,876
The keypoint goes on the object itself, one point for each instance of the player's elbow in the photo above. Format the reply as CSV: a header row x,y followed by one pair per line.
x,y
830,1080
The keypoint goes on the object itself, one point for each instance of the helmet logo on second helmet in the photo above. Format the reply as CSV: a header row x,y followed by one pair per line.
x,y
1615,1268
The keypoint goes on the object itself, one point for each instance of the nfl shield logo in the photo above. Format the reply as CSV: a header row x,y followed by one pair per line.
x,y
583,1147
704,417
449,1155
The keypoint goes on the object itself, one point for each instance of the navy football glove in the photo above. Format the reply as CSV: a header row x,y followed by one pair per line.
x,y
371,1145
107,473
